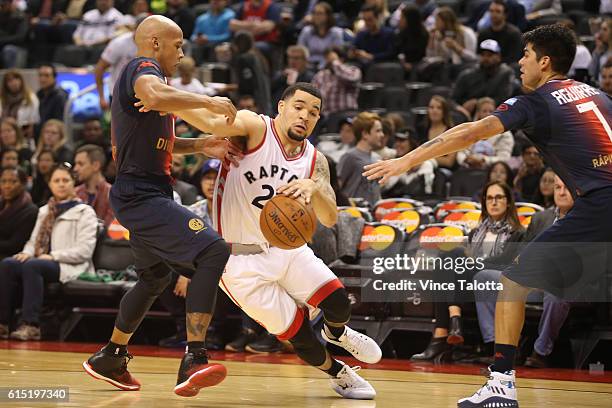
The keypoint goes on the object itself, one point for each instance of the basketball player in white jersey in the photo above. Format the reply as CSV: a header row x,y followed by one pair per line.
x,y
274,286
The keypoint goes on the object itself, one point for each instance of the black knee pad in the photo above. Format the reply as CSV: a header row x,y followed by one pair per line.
x,y
158,278
213,258
307,346
336,307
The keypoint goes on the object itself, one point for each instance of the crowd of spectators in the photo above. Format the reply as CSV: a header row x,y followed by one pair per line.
x,y
467,54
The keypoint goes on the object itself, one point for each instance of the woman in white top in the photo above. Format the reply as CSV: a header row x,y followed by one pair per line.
x,y
450,40
19,102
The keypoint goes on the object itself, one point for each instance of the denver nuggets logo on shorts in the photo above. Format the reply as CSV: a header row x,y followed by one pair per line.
x,y
196,224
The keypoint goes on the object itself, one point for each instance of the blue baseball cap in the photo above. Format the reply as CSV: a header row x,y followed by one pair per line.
x,y
211,165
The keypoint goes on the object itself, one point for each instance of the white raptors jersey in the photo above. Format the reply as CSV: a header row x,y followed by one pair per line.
x,y
241,192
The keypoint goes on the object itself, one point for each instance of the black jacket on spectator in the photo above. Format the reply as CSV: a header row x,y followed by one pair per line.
x,y
40,191
412,45
509,40
13,29
252,80
52,103
15,230
476,83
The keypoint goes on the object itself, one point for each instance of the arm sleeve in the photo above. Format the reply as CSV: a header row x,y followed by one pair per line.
x,y
347,73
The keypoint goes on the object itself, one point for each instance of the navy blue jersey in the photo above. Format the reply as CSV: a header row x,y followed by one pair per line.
x,y
142,142
569,122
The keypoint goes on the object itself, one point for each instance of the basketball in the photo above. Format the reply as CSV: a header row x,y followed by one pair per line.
x,y
287,223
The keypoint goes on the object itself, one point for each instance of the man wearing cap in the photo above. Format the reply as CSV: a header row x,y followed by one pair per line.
x,y
507,35
490,78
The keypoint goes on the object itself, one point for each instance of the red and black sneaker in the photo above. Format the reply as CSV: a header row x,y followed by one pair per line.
x,y
112,369
195,373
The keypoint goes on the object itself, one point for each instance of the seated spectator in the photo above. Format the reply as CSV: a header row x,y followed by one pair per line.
x,y
579,70
603,49
89,162
17,212
98,25
544,195
383,13
117,53
338,82
52,98
186,80
59,250
40,190
415,182
213,27
53,137
375,43
321,34
297,71
515,14
180,12
187,192
425,7
260,18
507,35
54,22
490,78
12,138
412,38
386,152
93,133
9,158
530,171
450,41
606,78
499,225
501,172
13,34
369,136
555,310
19,102
250,69
438,121
335,150
137,8
486,152
543,8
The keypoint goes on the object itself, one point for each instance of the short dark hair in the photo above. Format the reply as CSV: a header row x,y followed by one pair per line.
x,y
53,70
501,3
371,7
555,41
94,153
302,86
21,174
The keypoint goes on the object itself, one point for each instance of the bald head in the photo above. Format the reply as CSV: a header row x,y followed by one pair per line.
x,y
155,28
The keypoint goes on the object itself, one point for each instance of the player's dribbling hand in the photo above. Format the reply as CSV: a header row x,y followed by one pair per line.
x,y
222,106
302,188
385,169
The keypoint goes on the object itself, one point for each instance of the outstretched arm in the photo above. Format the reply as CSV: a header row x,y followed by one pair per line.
x,y
209,145
246,123
458,138
158,96
316,190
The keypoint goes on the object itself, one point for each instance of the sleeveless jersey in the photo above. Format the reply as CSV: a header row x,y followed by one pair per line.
x,y
241,192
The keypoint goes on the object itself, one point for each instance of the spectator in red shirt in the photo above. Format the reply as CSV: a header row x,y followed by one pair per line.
x,y
93,190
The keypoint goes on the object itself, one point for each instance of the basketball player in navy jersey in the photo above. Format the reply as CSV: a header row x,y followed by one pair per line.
x,y
163,234
569,122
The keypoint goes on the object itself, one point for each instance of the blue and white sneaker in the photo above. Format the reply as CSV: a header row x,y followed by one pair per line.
x,y
498,392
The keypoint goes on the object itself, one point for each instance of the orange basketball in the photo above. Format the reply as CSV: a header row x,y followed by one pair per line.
x,y
287,223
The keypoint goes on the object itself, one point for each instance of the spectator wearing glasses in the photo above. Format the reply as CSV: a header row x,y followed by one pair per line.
x,y
53,137
499,225
60,249
16,209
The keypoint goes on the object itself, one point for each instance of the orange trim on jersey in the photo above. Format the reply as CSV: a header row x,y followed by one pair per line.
x,y
256,148
280,144
324,291
312,165
295,326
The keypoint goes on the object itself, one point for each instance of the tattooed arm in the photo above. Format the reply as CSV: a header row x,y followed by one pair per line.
x,y
458,138
317,191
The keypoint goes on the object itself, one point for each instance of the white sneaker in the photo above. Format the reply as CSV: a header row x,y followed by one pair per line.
x,y
498,392
359,345
350,385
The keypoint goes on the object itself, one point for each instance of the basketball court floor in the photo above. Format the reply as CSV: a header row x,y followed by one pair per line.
x,y
278,381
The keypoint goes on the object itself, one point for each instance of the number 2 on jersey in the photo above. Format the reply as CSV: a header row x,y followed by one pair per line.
x,y
591,106
257,201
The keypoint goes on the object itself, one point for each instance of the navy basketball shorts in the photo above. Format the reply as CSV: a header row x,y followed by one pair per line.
x,y
160,229
571,259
